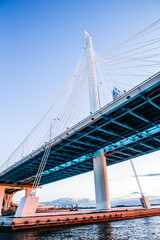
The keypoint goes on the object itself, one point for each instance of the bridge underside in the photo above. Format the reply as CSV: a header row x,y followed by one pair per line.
x,y
130,127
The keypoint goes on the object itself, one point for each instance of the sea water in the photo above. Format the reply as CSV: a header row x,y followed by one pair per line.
x,y
141,228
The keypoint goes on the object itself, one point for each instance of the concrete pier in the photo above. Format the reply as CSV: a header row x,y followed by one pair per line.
x,y
27,207
101,183
7,192
64,218
2,192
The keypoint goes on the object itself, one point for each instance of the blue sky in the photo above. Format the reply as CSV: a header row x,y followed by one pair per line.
x,y
40,43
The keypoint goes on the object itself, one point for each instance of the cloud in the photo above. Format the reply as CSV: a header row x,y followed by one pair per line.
x,y
133,176
134,193
150,175
131,200
83,202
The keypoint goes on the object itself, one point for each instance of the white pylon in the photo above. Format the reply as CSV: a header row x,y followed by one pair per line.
x,y
92,80
101,183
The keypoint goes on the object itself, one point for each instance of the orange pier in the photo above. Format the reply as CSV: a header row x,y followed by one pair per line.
x,y
64,218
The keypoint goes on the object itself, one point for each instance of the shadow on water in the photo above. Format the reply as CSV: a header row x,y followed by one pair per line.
x,y
100,231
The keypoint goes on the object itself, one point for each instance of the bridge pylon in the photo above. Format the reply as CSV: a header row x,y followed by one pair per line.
x,y
92,80
101,183
99,162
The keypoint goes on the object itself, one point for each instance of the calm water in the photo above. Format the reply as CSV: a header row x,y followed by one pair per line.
x,y
142,228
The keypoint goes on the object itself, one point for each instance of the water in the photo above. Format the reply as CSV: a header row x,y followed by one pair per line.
x,y
142,228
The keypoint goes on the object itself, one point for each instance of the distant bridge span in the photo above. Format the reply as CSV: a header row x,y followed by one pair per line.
x,y
124,129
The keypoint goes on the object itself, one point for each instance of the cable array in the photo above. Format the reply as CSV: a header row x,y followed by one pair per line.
x,y
130,62
64,113
40,170
122,67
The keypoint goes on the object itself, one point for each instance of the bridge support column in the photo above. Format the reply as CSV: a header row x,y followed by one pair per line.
x,y
27,207
2,191
7,201
145,202
101,183
28,190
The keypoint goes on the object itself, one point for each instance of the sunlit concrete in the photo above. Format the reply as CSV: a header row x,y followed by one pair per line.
x,y
145,203
27,192
27,207
101,183
7,201
2,191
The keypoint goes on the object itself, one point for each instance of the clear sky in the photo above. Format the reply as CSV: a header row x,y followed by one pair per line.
x,y
40,43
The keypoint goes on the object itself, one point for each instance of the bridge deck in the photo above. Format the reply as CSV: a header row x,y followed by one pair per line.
x,y
124,129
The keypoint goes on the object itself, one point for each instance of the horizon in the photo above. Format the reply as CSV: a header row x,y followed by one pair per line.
x,y
40,46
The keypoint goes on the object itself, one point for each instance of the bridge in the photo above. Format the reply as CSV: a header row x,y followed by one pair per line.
x,y
124,128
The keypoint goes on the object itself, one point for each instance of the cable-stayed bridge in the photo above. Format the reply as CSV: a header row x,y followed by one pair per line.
x,y
117,116
124,129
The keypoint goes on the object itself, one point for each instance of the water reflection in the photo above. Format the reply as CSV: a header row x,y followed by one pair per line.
x,y
96,231
105,231
142,228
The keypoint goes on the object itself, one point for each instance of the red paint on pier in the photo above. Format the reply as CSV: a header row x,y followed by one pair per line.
x,y
65,218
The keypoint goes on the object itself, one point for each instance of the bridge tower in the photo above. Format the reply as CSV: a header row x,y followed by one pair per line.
x,y
99,161
92,80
